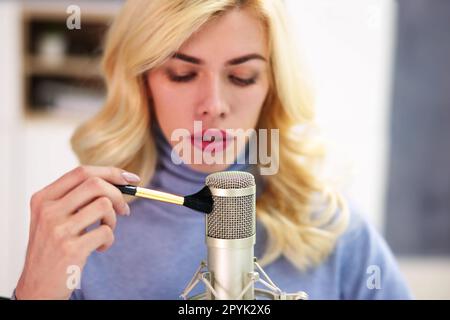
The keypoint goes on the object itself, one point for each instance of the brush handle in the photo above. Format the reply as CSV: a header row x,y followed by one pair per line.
x,y
127,189
151,194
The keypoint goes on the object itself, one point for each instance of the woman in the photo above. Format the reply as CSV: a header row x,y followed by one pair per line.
x,y
230,65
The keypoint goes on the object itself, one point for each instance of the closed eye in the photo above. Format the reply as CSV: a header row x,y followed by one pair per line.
x,y
182,78
242,82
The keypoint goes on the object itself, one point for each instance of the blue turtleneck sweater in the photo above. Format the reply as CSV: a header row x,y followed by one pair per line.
x,y
158,248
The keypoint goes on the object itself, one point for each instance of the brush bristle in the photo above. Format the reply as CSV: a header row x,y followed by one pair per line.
x,y
200,201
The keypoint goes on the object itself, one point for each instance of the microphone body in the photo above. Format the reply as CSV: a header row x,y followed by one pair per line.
x,y
230,263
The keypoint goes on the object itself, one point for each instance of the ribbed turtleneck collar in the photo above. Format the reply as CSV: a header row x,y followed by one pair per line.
x,y
181,178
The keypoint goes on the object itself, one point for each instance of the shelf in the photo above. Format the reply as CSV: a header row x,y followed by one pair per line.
x,y
57,10
62,75
69,66
56,116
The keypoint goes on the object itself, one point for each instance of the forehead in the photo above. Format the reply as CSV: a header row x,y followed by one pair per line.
x,y
235,33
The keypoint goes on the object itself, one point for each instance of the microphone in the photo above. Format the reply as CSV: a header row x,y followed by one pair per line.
x,y
229,273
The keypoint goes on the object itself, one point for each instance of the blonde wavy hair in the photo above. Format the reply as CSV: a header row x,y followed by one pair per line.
x,y
302,215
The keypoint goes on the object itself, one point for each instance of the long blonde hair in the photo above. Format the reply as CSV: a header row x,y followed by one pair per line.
x,y
302,215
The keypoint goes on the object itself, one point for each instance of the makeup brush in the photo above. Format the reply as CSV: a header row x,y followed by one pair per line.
x,y
200,201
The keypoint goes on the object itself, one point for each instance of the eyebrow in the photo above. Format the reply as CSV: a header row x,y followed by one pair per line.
x,y
232,62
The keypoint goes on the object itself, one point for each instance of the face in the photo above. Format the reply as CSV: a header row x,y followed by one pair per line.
x,y
219,77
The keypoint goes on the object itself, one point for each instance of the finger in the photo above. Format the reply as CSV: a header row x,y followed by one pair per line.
x,y
88,191
101,209
73,178
100,238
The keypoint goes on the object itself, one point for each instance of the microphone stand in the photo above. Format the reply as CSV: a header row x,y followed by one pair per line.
x,y
272,292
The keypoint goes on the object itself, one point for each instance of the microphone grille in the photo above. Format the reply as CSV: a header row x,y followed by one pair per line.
x,y
230,180
232,217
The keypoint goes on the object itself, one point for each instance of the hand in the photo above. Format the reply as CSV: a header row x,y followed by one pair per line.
x,y
60,214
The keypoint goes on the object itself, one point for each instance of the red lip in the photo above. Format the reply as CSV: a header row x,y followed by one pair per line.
x,y
218,139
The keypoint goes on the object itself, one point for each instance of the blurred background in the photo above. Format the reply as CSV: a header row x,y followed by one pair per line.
x,y
380,72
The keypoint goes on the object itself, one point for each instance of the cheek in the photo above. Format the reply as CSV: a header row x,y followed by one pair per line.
x,y
249,102
169,101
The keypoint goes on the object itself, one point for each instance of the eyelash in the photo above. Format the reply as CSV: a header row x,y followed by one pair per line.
x,y
186,78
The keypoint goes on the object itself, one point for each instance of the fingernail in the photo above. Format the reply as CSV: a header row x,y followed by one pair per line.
x,y
130,177
126,210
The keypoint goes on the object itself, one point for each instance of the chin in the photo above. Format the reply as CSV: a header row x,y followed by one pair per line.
x,y
209,168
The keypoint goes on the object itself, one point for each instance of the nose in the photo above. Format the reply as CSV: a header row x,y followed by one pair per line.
x,y
212,103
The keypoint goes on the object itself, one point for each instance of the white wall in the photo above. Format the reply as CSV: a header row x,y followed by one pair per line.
x,y
347,46
428,277
9,128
